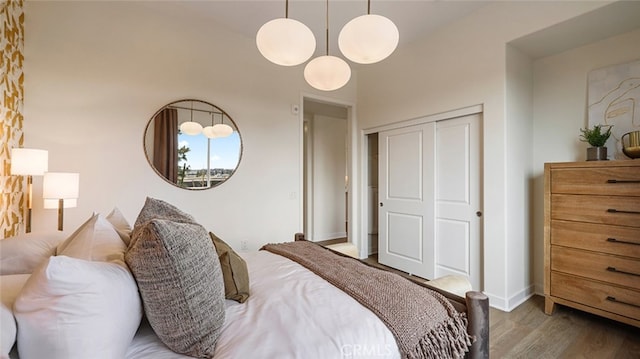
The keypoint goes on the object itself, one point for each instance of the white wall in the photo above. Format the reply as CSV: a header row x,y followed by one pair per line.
x,y
95,73
464,64
560,110
329,171
519,154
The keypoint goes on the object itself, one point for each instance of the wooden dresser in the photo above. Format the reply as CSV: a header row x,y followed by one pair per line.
x,y
592,238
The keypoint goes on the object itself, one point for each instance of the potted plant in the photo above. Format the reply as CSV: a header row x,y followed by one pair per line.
x,y
596,137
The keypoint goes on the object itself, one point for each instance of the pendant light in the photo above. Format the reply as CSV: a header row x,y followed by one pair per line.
x,y
327,73
209,131
369,38
285,41
219,130
190,127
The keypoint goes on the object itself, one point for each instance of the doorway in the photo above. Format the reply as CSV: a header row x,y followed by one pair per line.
x,y
326,165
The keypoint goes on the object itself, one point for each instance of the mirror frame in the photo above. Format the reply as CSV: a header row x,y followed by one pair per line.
x,y
214,109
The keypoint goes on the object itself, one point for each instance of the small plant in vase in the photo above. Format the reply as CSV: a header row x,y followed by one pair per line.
x,y
597,137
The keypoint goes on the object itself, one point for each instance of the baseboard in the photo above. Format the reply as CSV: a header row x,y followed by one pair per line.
x,y
511,303
329,236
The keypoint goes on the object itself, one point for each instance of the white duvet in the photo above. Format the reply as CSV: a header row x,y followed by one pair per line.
x,y
291,313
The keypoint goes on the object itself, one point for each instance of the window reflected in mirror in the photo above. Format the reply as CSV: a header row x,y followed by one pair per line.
x,y
193,144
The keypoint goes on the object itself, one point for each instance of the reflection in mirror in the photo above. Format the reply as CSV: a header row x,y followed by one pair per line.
x,y
193,144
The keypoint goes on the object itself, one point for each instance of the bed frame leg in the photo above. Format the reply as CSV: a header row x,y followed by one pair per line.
x,y
478,326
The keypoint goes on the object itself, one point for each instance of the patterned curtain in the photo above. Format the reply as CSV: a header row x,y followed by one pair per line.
x,y
11,102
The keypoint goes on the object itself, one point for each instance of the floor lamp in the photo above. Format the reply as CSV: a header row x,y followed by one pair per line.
x,y
29,162
60,190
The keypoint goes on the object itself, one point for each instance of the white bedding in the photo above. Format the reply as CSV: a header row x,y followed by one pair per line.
x,y
291,313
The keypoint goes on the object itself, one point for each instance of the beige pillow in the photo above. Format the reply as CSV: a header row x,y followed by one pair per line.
x,y
23,253
178,273
95,240
234,271
121,225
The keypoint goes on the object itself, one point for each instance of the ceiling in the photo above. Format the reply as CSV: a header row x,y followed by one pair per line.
x,y
414,18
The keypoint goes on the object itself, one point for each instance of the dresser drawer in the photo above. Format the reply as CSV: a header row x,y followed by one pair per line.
x,y
606,181
602,267
625,302
622,211
624,241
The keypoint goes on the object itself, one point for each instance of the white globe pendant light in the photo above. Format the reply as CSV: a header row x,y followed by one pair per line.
x,y
209,132
368,39
190,127
327,73
222,130
285,41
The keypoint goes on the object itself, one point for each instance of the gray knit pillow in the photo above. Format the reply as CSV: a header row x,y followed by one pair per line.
x,y
180,280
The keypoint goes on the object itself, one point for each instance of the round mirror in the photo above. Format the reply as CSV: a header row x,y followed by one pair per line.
x,y
193,144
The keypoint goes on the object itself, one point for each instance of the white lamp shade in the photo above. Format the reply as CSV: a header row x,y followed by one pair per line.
x,y
191,128
209,132
53,203
28,161
285,42
60,185
222,130
368,39
327,73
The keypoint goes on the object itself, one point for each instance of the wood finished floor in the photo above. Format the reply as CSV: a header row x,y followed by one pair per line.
x,y
526,332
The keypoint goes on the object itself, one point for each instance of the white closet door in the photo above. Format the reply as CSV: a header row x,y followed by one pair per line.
x,y
458,216
406,196
430,199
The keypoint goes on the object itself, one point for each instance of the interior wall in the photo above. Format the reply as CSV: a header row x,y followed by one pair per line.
x,y
461,65
92,84
329,170
519,127
560,110
12,203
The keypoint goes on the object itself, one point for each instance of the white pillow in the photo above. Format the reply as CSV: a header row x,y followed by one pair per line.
x,y
23,253
75,309
95,240
10,287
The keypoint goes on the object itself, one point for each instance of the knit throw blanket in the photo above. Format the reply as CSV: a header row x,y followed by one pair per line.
x,y
423,322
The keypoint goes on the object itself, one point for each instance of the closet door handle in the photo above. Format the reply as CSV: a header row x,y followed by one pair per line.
x,y
613,240
613,269
622,181
613,210
613,299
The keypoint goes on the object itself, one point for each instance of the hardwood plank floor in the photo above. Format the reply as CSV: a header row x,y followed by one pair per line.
x,y
526,332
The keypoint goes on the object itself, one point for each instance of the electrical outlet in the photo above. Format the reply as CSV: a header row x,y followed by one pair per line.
x,y
244,245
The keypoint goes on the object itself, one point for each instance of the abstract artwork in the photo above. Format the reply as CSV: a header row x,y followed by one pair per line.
x,y
614,99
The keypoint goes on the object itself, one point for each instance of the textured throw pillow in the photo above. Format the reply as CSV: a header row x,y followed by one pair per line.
x,y
121,225
179,277
23,253
95,240
73,308
234,271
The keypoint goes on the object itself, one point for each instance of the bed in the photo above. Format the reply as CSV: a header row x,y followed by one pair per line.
x,y
291,311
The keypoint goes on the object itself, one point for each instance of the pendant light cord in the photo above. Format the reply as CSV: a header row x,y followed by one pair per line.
x,y
286,9
368,7
327,32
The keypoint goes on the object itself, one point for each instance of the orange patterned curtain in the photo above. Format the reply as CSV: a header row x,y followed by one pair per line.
x,y
11,103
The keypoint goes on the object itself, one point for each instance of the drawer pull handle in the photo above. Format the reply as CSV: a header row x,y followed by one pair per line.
x,y
622,181
613,269
613,240
613,210
613,299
